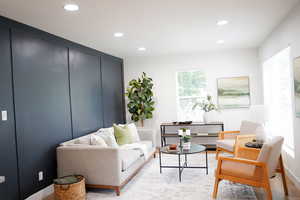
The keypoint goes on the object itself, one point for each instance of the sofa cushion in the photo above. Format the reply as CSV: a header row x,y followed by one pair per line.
x,y
148,144
129,157
97,140
227,144
122,134
107,135
133,131
84,140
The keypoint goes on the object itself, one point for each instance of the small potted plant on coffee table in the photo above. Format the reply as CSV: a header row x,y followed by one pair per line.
x,y
185,139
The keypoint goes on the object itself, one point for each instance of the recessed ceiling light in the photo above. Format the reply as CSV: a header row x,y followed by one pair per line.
x,y
142,49
220,42
118,34
222,22
71,7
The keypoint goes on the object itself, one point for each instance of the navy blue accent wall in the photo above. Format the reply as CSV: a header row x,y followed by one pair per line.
x,y
113,101
86,93
8,156
54,90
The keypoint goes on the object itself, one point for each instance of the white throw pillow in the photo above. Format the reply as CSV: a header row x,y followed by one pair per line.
x,y
108,136
97,140
133,131
83,140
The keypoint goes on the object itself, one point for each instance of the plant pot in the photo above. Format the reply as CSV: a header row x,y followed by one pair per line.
x,y
186,145
211,116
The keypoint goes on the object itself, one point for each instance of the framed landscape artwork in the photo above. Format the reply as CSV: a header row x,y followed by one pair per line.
x,y
297,85
234,92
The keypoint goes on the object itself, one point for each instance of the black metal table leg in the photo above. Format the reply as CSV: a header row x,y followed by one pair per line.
x,y
160,170
206,162
179,167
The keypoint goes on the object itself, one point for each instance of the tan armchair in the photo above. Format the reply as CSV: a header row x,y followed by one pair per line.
x,y
227,139
253,172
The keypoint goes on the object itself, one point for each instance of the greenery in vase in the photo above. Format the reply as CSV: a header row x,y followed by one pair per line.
x,y
140,96
186,138
206,105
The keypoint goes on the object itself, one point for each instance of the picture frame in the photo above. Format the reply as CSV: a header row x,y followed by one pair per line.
x,y
234,92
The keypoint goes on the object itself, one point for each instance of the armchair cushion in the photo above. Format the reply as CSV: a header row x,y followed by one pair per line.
x,y
227,144
249,128
241,170
270,153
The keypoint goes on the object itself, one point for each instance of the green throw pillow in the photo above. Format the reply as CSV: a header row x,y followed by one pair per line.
x,y
122,134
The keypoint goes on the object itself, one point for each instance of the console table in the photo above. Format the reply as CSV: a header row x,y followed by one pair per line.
x,y
206,132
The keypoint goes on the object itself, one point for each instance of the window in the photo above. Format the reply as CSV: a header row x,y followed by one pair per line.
x,y
278,97
191,87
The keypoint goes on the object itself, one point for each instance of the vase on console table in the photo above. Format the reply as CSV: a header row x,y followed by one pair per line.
x,y
211,116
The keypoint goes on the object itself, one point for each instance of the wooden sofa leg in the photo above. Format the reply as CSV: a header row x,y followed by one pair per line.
x,y
118,192
154,155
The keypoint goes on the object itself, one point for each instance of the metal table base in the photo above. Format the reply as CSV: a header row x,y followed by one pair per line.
x,y
181,166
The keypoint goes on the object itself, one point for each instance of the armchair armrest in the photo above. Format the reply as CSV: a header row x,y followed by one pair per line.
x,y
226,134
147,134
100,166
242,160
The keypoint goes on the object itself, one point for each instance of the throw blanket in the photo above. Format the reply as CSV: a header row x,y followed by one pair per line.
x,y
138,146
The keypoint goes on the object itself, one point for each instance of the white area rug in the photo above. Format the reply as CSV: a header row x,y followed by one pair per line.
x,y
149,184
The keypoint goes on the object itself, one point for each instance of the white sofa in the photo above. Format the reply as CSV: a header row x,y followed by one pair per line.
x,y
105,167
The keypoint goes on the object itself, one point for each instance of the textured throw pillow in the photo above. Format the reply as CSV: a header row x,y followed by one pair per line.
x,y
108,136
122,134
133,131
84,140
97,140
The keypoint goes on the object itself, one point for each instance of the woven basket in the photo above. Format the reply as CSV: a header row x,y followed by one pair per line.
x,y
74,191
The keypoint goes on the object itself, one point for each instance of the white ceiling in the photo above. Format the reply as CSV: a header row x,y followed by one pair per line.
x,y
162,26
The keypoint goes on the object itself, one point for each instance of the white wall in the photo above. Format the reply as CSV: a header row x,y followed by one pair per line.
x,y
287,34
230,63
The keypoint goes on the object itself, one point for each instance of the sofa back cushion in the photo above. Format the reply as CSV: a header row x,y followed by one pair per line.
x,y
97,140
122,134
108,136
249,128
133,131
84,140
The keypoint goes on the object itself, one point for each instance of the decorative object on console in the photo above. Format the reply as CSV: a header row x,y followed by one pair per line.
x,y
209,109
297,85
233,92
140,95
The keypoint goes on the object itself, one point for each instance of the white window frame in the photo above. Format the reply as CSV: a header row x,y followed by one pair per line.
x,y
202,97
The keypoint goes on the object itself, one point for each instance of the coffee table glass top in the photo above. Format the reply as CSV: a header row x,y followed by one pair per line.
x,y
195,148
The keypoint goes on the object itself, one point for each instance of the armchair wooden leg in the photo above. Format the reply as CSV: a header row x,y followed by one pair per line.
x,y
268,193
283,176
217,153
216,187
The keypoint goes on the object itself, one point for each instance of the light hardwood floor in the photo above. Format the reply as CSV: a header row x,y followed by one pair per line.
x,y
277,190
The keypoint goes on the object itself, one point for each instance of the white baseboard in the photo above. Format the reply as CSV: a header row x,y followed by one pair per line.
x,y
42,194
292,177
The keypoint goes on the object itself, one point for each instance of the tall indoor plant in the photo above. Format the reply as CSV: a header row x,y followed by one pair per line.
x,y
140,96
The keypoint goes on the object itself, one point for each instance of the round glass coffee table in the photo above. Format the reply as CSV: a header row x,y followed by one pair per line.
x,y
195,148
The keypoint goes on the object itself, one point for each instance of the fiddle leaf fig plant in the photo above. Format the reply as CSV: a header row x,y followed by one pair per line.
x,y
140,98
